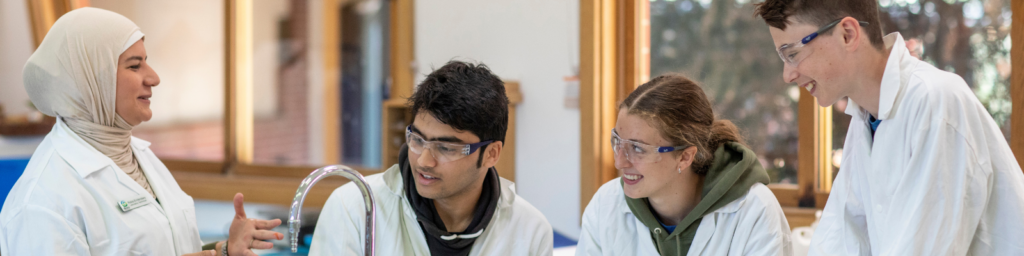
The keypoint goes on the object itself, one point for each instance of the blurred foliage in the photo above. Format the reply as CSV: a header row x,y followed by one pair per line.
x,y
969,38
724,47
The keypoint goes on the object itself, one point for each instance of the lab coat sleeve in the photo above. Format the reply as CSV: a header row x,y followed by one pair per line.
x,y
543,241
939,200
590,243
39,231
338,231
769,233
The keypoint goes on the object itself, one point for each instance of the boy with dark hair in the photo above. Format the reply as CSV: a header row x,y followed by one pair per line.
x,y
926,170
444,197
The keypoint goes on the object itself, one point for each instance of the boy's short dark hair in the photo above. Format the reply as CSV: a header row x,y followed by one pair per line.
x,y
467,97
822,12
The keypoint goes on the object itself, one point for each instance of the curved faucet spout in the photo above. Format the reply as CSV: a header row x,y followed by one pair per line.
x,y
294,218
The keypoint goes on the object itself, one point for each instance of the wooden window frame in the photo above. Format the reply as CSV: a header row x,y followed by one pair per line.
x,y
274,184
611,60
1017,80
598,75
220,180
277,184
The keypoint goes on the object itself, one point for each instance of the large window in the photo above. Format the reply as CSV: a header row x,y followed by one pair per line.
x,y
720,44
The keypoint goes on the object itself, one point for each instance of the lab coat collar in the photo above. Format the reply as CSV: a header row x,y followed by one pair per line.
x,y
703,235
508,193
395,184
79,154
704,231
83,156
732,207
894,79
139,145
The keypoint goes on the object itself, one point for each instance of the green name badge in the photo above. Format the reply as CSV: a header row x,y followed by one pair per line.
x,y
132,204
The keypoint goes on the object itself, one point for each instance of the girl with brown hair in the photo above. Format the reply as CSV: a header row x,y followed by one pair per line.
x,y
689,184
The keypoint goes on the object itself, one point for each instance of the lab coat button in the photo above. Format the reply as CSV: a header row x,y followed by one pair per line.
x,y
878,208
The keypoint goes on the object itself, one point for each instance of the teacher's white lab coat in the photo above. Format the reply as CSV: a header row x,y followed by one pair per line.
x,y
517,228
751,225
938,178
66,203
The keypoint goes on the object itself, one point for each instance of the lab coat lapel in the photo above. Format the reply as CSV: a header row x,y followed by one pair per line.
x,y
413,232
704,232
156,182
882,163
891,77
84,158
896,77
645,244
409,226
889,89
167,205
128,182
858,136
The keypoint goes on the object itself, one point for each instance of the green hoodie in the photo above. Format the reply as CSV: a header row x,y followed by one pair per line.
x,y
733,170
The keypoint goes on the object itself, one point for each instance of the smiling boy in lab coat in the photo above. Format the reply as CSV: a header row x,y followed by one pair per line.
x,y
926,170
444,197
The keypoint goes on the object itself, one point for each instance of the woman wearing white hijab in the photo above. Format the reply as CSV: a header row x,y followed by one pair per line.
x,y
91,188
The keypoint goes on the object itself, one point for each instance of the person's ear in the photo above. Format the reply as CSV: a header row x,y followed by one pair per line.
x,y
850,30
687,157
492,154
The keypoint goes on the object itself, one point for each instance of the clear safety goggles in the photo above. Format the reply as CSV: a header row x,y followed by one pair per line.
x,y
637,152
443,152
793,53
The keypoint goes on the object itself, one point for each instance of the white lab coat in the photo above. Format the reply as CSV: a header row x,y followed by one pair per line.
x,y
66,203
938,178
515,229
751,225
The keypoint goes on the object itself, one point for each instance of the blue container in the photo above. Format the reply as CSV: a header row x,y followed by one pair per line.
x,y
10,171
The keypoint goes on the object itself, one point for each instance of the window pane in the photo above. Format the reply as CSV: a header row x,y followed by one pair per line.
x,y
185,44
729,52
364,78
282,115
288,119
969,38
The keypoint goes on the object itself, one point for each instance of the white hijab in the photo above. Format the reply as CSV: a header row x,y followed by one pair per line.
x,y
73,76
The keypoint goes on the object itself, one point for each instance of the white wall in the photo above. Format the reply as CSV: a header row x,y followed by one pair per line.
x,y
536,43
16,46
